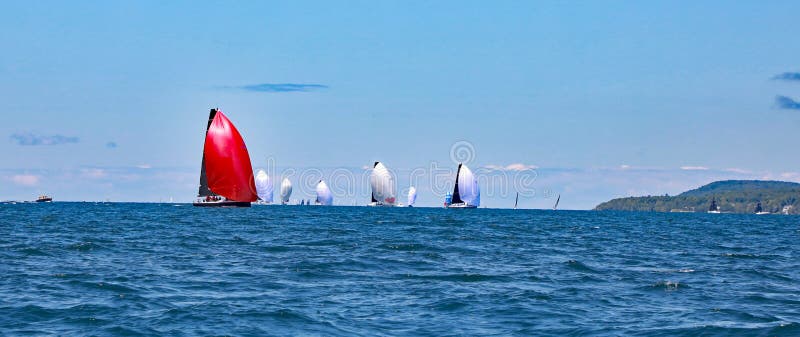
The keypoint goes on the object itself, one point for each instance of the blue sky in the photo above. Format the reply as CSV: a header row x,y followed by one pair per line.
x,y
108,100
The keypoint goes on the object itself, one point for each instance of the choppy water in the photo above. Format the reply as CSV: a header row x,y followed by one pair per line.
x,y
158,269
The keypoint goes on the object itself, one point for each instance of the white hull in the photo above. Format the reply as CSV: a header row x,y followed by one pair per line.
x,y
714,212
462,205
379,204
763,213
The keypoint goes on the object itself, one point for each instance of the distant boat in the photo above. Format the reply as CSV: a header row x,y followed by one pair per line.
x,y
44,198
264,187
382,185
555,207
713,209
286,191
412,196
324,195
516,201
466,193
226,175
759,210
302,202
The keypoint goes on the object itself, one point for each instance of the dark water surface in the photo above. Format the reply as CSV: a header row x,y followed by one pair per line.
x,y
159,269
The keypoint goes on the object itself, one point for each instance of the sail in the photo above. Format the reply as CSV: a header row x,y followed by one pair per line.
x,y
264,187
286,190
204,191
412,196
324,195
227,165
455,198
468,190
372,195
758,208
382,183
555,207
516,201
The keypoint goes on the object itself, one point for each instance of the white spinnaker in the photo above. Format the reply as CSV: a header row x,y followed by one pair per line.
x,y
468,189
264,187
324,195
382,184
286,190
412,196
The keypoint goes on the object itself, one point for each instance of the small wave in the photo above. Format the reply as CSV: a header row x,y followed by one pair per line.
x,y
668,286
449,305
456,277
579,266
106,286
741,255
33,251
84,246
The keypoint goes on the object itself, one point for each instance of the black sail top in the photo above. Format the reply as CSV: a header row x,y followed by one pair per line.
x,y
456,195
373,192
204,190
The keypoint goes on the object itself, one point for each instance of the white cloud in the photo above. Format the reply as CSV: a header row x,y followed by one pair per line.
x,y
25,179
94,173
738,170
144,166
624,167
512,167
520,167
694,168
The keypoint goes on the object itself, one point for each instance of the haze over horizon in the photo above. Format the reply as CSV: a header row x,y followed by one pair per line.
x,y
592,100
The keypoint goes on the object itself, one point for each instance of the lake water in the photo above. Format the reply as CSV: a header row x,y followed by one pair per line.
x,y
173,270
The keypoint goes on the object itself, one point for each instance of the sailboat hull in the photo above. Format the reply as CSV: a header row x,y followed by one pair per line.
x,y
226,203
461,205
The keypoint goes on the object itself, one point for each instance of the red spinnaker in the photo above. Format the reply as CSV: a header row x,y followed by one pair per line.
x,y
228,167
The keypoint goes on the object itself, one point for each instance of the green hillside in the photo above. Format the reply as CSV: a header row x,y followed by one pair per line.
x,y
732,196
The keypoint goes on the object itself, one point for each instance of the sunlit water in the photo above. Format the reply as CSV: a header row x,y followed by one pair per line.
x,y
161,269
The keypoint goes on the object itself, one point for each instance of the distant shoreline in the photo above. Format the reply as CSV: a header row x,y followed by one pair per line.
x,y
731,196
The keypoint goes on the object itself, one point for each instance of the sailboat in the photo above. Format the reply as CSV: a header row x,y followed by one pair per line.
x,y
713,209
466,193
264,188
324,195
226,175
412,196
759,210
555,207
286,191
516,201
382,184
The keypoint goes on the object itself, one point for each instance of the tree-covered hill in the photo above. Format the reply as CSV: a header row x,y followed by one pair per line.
x,y
732,196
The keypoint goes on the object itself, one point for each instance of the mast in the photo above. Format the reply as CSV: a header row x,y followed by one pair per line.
x,y
557,200
204,191
516,201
